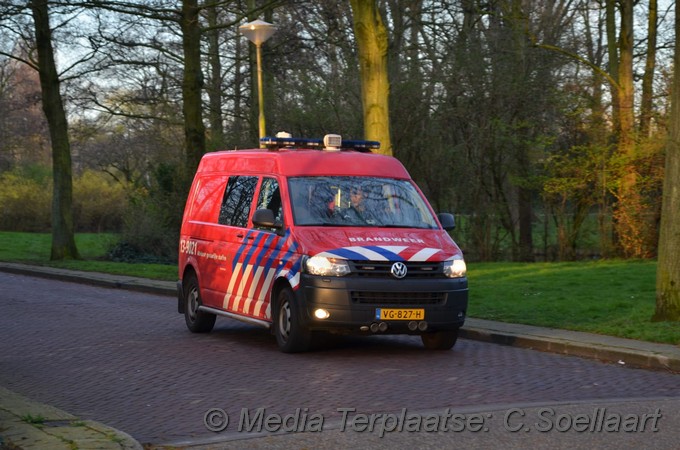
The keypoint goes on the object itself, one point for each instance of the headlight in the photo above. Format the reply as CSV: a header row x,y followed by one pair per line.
x,y
328,267
455,268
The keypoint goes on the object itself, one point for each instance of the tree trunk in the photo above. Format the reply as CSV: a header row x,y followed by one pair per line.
x,y
253,109
629,213
648,77
194,130
526,214
612,51
240,121
668,269
63,239
215,91
598,136
524,194
371,37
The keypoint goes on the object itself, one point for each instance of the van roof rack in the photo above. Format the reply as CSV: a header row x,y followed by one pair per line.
x,y
330,142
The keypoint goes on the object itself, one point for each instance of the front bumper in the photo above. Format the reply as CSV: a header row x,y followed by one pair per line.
x,y
352,303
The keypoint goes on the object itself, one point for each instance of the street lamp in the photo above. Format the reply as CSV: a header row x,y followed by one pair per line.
x,y
258,31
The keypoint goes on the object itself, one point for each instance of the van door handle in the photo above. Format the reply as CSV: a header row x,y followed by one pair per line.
x,y
241,236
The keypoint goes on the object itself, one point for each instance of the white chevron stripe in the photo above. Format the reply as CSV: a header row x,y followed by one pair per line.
x,y
232,282
253,286
367,253
240,295
264,293
424,254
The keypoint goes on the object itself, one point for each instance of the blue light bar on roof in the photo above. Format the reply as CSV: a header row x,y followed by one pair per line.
x,y
278,142
269,141
361,145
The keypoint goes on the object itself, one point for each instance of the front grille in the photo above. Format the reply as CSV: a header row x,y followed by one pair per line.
x,y
381,269
398,298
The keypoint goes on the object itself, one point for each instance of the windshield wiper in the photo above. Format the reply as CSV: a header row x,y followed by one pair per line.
x,y
424,226
318,224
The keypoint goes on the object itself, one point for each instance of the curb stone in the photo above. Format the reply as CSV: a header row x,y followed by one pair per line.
x,y
26,424
621,351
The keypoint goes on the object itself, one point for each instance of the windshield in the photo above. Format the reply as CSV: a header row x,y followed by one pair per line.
x,y
358,201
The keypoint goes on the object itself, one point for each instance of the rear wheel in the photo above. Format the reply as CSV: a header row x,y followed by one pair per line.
x,y
440,340
197,321
290,335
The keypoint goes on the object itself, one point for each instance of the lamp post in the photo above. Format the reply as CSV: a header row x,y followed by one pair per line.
x,y
258,31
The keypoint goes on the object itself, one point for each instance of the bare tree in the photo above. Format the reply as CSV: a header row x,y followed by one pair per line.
x,y
214,86
372,43
668,269
63,237
192,84
646,104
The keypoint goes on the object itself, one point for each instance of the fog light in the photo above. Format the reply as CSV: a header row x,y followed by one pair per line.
x,y
321,314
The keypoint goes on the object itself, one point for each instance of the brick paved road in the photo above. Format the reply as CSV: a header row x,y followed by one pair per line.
x,y
127,360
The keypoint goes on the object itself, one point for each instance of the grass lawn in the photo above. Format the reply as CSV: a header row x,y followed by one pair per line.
x,y
613,297
34,248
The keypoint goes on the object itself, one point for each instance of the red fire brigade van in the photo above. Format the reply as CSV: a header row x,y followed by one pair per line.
x,y
308,236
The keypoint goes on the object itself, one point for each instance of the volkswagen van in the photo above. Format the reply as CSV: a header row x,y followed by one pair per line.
x,y
312,236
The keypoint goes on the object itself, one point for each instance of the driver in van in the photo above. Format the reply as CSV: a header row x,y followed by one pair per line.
x,y
357,199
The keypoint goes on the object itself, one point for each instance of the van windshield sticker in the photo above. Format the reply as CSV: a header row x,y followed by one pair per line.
x,y
405,240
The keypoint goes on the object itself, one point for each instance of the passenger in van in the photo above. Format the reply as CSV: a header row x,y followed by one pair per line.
x,y
359,212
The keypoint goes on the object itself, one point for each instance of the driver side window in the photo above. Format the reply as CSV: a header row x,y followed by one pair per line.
x,y
270,198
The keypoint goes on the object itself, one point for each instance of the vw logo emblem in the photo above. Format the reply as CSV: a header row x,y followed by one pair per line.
x,y
398,270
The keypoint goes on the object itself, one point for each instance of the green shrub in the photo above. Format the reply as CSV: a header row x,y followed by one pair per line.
x,y
25,200
99,203
149,234
151,223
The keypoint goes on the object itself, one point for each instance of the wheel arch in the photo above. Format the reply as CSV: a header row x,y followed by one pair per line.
x,y
280,284
189,270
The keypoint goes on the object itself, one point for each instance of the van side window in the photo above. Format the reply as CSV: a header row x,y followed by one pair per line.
x,y
270,197
238,196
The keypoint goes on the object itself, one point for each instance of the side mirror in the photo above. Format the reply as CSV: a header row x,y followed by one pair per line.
x,y
447,221
265,218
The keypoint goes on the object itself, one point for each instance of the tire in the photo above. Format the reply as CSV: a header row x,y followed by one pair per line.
x,y
197,321
440,340
290,335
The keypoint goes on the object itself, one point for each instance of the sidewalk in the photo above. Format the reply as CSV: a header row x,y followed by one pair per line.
x,y
25,424
29,425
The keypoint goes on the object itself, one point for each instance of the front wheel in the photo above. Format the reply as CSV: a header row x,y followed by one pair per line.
x,y
197,321
290,335
440,340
